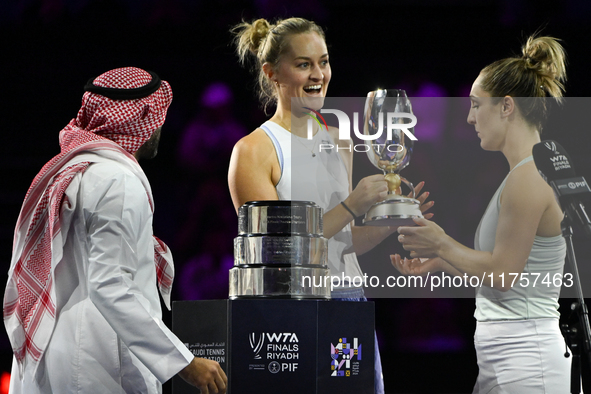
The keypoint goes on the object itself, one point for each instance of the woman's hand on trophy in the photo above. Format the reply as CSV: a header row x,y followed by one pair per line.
x,y
369,190
416,266
424,240
425,206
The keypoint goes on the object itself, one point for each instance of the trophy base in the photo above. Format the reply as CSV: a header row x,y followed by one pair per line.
x,y
289,282
395,210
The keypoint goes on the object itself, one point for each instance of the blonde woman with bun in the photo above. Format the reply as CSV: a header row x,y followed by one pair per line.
x,y
519,346
277,162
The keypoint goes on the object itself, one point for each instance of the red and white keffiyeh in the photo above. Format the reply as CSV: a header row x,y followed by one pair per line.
x,y
109,128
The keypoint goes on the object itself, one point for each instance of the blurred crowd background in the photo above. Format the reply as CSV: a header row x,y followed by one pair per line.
x,y
430,48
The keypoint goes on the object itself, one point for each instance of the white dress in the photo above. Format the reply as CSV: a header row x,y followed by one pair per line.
x,y
518,342
109,336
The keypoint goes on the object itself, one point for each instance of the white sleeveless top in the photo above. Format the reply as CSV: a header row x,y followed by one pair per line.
x,y
322,179
520,302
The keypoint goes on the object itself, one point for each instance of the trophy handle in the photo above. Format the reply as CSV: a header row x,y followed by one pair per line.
x,y
410,185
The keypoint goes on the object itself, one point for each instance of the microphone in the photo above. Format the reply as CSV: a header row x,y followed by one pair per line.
x,y
556,167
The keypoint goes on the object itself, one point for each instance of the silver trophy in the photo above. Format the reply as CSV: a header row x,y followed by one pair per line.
x,y
390,152
280,251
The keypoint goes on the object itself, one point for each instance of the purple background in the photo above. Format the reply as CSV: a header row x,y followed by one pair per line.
x,y
430,48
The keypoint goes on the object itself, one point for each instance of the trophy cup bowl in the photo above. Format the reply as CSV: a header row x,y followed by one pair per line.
x,y
390,152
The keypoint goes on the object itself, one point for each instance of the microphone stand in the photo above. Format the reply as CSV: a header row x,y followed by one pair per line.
x,y
578,334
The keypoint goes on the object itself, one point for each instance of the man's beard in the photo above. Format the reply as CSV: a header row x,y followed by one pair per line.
x,y
149,149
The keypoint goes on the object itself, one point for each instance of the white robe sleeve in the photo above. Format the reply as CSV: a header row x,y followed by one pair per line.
x,y
122,275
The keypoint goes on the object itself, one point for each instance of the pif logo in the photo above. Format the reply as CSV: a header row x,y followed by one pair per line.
x,y
577,185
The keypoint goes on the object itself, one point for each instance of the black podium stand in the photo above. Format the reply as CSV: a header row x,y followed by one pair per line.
x,y
281,346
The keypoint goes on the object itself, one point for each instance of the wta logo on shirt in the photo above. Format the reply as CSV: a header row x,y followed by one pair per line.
x,y
346,358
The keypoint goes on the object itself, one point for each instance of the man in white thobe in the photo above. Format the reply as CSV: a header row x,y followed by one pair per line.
x,y
81,306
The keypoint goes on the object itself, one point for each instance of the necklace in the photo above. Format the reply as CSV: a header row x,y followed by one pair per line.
x,y
298,139
313,146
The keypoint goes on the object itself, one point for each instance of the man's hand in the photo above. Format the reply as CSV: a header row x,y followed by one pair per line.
x,y
206,375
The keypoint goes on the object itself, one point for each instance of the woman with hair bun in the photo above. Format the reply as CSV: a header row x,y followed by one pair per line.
x,y
519,346
278,162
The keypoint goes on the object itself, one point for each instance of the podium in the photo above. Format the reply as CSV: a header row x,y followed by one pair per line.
x,y
272,346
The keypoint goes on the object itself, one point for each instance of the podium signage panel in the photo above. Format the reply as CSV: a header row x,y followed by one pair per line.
x,y
272,345
282,346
